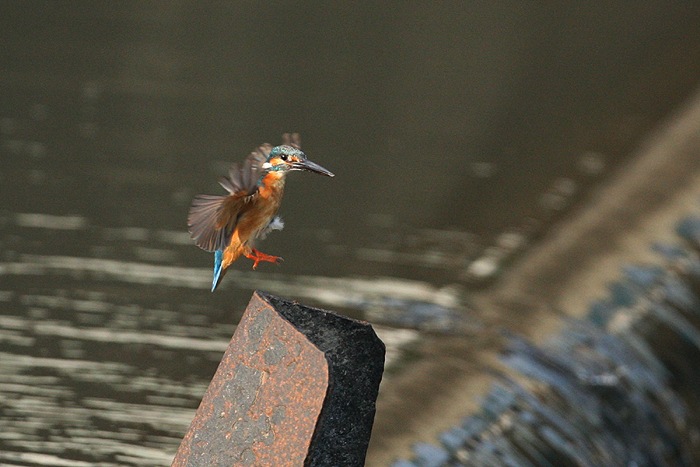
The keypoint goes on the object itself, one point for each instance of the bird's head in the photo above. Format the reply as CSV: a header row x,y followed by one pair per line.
x,y
285,158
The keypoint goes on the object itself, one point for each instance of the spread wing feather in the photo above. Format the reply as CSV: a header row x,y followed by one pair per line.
x,y
212,219
292,139
203,219
243,176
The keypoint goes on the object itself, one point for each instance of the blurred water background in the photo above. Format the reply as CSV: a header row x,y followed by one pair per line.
x,y
459,134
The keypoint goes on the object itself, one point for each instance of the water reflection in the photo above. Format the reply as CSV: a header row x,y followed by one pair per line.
x,y
106,358
459,136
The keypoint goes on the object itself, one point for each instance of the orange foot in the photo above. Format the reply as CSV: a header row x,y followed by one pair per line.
x,y
258,256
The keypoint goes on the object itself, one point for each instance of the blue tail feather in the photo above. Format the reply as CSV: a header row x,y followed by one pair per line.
x,y
218,269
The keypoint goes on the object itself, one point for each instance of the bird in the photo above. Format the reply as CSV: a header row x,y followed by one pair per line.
x,y
227,225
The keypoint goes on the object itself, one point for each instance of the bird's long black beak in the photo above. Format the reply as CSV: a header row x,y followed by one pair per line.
x,y
312,167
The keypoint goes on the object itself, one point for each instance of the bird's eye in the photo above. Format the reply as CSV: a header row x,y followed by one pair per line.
x,y
283,157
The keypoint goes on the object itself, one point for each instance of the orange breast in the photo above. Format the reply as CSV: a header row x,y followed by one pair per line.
x,y
261,209
272,186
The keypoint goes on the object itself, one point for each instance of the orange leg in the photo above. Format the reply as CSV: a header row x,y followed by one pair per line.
x,y
258,256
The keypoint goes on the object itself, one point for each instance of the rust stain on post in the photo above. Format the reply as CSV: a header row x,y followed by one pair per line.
x,y
262,404
277,396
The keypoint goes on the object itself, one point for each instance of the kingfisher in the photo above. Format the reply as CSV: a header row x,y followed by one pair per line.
x,y
227,225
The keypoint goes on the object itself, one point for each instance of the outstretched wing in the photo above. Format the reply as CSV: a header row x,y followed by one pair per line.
x,y
212,219
243,176
292,139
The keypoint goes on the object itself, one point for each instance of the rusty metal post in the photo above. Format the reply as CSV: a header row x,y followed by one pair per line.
x,y
296,386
